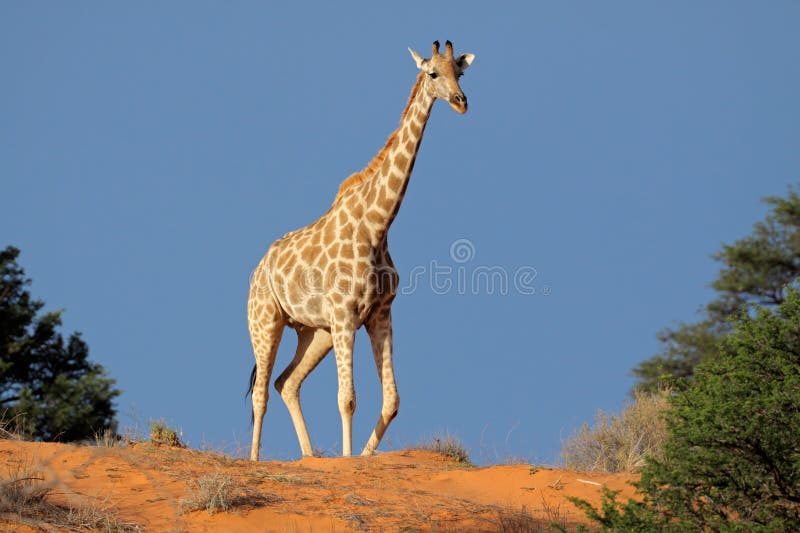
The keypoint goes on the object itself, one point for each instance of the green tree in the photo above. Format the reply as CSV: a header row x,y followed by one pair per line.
x,y
755,271
731,460
48,388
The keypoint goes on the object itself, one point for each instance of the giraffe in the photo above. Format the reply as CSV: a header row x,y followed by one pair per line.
x,y
328,279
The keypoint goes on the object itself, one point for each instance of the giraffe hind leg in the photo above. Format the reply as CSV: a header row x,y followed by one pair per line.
x,y
313,345
266,325
379,328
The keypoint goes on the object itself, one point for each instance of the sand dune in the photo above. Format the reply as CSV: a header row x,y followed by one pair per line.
x,y
155,487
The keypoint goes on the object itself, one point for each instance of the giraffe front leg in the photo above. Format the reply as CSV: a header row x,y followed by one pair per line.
x,y
343,338
379,327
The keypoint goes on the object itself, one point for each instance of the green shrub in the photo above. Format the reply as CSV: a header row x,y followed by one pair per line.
x,y
732,456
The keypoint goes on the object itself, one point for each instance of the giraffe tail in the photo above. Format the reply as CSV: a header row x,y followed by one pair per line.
x,y
250,391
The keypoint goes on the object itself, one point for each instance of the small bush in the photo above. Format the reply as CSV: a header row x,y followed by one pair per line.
x,y
213,492
620,443
220,492
447,445
162,434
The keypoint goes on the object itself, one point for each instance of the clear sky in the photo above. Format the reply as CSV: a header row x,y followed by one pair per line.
x,y
151,152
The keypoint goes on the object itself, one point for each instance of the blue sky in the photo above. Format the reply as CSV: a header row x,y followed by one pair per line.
x,y
151,152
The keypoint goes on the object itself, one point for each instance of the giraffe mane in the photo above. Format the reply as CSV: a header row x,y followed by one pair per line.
x,y
367,172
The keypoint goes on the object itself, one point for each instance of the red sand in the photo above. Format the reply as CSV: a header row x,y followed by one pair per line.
x,y
403,490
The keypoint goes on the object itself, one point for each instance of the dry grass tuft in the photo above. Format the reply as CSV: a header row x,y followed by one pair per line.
x,y
107,439
551,517
224,455
555,515
355,521
620,443
161,434
10,426
519,521
291,479
220,492
23,488
355,499
25,498
447,445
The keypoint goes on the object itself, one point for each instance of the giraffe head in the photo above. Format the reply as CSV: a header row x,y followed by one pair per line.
x,y
442,73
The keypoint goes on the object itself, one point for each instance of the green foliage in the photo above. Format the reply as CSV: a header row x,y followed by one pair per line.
x,y
755,271
732,458
682,349
633,516
49,388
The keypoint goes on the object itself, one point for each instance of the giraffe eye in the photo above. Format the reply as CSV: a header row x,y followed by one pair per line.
x,y
433,75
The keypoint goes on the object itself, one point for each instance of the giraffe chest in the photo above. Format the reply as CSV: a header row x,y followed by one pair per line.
x,y
344,280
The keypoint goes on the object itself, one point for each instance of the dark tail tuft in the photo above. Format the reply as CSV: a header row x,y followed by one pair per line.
x,y
250,391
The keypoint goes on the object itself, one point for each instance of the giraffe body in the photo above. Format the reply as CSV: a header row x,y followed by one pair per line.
x,y
329,278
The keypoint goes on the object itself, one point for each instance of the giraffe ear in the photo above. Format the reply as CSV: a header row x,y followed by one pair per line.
x,y
417,59
464,61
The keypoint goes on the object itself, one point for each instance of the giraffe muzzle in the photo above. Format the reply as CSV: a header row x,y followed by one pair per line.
x,y
459,103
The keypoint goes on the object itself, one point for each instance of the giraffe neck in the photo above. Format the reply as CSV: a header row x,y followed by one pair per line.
x,y
383,191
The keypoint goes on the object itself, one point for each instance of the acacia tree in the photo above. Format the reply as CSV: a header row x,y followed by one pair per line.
x,y
755,270
731,460
49,389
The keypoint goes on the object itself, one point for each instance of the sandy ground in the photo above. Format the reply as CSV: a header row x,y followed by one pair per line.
x,y
405,491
